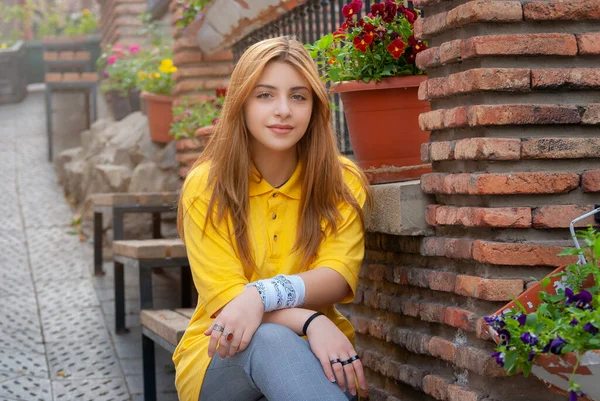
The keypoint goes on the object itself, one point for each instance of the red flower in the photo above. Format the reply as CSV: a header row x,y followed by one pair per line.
x,y
352,9
412,41
377,9
221,92
410,15
396,48
361,42
340,33
369,27
390,11
417,45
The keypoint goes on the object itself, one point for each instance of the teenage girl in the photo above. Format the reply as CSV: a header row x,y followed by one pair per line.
x,y
272,217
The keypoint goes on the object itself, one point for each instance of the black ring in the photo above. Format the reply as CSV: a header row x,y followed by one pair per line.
x,y
347,362
335,361
354,358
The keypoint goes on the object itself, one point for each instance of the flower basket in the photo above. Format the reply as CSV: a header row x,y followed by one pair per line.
x,y
160,115
555,370
383,125
13,74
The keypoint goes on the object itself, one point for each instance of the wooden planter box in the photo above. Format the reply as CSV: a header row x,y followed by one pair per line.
x,y
13,74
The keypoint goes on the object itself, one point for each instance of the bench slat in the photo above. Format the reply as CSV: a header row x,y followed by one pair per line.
x,y
188,312
166,323
150,248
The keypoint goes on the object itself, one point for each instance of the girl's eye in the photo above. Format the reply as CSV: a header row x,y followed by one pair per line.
x,y
264,95
298,97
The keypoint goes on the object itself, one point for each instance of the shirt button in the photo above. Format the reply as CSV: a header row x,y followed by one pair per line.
x,y
274,216
275,195
275,238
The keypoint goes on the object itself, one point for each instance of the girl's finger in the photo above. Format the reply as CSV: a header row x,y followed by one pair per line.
x,y
360,375
339,373
224,345
235,343
214,341
349,371
327,368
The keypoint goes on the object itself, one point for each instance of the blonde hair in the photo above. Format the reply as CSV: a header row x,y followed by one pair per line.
x,y
228,151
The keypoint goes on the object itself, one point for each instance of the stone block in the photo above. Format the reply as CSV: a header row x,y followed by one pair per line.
x,y
399,209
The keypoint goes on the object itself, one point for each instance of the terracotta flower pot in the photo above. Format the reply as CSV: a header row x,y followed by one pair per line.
x,y
383,122
555,370
160,116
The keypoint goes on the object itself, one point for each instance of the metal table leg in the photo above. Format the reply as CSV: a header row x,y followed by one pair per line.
x,y
98,244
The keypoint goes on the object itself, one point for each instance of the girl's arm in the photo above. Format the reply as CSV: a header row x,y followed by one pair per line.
x,y
324,287
294,318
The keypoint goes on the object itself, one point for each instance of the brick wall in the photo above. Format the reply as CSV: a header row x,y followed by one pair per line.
x,y
199,73
119,21
515,146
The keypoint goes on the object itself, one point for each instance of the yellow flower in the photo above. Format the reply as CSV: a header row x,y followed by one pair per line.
x,y
156,75
86,11
142,75
167,67
3,46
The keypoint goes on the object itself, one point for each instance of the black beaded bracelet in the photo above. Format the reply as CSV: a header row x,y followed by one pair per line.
x,y
310,319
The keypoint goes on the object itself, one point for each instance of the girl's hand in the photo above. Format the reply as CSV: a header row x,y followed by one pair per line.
x,y
241,316
328,342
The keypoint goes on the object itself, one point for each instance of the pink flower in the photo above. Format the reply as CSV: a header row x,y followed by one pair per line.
x,y
111,60
134,49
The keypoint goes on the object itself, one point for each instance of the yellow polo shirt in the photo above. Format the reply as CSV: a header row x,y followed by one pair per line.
x,y
219,275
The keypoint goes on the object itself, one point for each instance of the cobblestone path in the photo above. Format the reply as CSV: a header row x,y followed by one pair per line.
x,y
57,340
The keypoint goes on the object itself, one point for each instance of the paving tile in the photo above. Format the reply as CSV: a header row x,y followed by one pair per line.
x,y
19,313
77,359
67,294
22,340
23,362
26,388
90,390
74,324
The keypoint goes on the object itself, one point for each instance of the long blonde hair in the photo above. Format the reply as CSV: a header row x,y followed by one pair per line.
x,y
228,151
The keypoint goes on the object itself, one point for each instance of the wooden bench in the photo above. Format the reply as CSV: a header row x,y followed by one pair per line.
x,y
163,327
145,255
118,204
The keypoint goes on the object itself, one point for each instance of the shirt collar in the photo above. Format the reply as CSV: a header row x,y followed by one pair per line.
x,y
292,187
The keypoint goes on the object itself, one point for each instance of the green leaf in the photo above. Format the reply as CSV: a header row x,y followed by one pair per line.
x,y
545,282
526,369
510,359
532,319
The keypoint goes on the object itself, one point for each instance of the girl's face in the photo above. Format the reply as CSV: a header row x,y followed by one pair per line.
x,y
278,110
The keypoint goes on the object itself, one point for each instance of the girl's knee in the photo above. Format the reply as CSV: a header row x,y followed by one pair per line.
x,y
270,334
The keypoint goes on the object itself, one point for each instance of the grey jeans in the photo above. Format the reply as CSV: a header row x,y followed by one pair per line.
x,y
277,365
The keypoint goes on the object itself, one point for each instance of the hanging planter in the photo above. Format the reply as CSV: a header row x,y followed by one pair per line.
x,y
160,115
383,122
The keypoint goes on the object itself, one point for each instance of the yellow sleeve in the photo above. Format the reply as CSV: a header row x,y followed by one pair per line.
x,y
217,271
344,252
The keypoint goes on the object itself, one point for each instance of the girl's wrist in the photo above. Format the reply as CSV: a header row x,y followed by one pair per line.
x,y
309,321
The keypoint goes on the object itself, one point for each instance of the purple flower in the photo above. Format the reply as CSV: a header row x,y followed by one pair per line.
x,y
504,336
499,358
531,355
573,395
495,322
529,338
593,330
522,319
557,345
581,300
574,322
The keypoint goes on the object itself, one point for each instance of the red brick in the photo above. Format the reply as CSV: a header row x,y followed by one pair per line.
x,y
521,254
484,11
591,116
414,341
588,43
188,144
442,348
425,3
459,393
188,57
549,10
488,149
522,114
515,217
443,118
590,181
535,44
223,55
566,78
479,361
479,80
560,216
429,58
410,308
432,312
187,159
482,329
442,281
460,318
560,148
436,386
499,184
450,52
186,43
488,289
399,275
459,248
442,150
202,71
425,158
425,27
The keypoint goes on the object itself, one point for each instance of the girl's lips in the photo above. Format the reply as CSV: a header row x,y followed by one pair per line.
x,y
280,130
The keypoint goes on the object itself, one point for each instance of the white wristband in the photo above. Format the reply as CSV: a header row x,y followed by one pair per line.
x,y
281,291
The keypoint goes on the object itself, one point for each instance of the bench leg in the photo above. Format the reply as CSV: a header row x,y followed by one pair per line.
x,y
145,288
98,244
156,225
120,299
148,366
186,287
48,101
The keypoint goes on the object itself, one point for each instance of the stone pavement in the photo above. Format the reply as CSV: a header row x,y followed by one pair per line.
x,y
57,340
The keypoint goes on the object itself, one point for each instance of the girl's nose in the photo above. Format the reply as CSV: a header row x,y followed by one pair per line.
x,y
283,109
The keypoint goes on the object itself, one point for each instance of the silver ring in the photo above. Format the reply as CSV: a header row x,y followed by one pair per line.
x,y
218,327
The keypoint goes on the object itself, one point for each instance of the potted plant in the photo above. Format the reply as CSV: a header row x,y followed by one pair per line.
x,y
156,83
551,330
192,126
13,76
119,67
371,62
